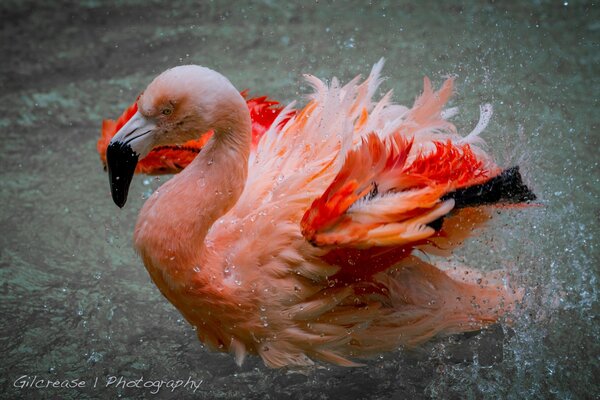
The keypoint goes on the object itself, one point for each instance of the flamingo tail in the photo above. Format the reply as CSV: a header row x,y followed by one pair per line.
x,y
508,187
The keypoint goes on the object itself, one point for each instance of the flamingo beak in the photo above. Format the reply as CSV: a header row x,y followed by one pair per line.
x,y
132,142
121,161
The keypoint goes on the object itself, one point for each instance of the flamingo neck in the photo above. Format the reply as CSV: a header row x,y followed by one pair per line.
x,y
174,221
220,173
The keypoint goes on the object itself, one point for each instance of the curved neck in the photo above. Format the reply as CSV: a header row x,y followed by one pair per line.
x,y
233,130
221,168
184,208
220,172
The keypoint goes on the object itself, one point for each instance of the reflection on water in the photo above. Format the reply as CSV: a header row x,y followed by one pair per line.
x,y
78,304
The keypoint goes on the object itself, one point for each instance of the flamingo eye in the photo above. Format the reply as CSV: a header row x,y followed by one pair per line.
x,y
167,111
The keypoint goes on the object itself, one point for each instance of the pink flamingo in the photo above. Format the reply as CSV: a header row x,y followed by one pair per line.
x,y
302,248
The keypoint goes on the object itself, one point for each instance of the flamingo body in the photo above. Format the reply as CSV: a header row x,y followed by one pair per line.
x,y
302,247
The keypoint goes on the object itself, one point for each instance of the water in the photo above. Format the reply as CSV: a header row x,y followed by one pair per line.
x,y
78,304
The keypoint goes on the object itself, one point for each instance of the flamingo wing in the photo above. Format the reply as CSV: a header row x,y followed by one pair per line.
x,y
381,197
351,173
321,238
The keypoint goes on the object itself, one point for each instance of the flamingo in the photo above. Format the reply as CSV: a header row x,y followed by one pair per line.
x,y
305,248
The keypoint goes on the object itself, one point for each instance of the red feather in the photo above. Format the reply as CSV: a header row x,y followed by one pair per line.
x,y
379,166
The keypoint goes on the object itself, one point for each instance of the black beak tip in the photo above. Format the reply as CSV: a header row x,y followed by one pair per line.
x,y
120,202
121,161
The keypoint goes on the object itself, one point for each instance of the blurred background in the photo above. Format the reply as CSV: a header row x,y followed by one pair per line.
x,y
76,302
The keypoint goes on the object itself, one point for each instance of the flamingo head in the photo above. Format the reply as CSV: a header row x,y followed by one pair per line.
x,y
177,106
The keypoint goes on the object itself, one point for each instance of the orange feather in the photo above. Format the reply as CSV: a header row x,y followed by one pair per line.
x,y
379,167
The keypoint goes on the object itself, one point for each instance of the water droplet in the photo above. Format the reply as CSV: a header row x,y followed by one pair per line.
x,y
350,43
95,357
